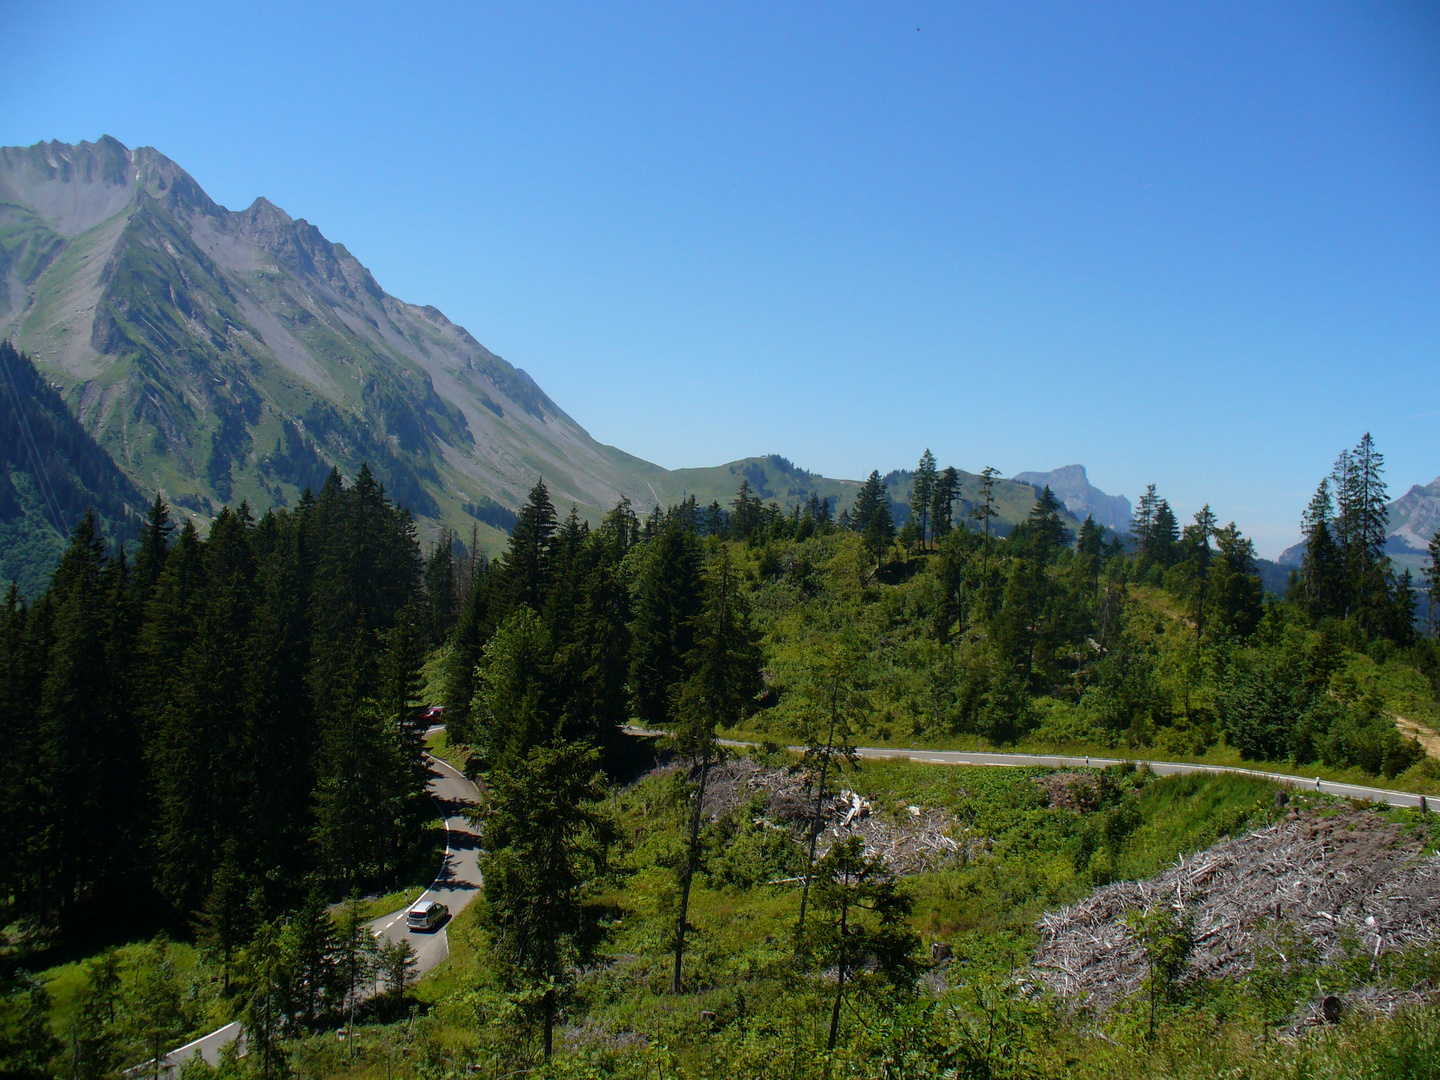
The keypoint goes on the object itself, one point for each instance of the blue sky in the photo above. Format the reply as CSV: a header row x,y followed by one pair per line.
x,y
1194,244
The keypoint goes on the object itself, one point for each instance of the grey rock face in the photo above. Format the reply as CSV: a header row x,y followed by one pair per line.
x,y
221,355
1072,487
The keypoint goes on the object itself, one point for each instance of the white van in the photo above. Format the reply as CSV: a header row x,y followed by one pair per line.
x,y
426,916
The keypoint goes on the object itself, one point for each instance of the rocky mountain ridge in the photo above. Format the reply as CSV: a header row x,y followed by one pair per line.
x,y
1414,519
1072,486
220,355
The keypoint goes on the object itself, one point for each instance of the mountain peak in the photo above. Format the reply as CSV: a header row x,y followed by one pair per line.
x,y
75,187
223,354
1072,486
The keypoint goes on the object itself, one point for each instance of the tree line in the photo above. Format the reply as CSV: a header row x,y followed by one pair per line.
x,y
228,728
210,728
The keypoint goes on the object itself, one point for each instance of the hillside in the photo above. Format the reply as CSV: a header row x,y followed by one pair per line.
x,y
1414,519
775,479
222,355
52,473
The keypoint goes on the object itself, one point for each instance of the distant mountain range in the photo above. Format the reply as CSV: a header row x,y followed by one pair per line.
x,y
1082,498
220,355
1414,519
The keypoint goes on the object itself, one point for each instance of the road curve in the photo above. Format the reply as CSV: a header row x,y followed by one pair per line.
x,y
455,886
1164,768
459,879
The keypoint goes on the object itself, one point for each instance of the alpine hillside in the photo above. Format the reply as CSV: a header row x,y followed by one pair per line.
x,y
1412,519
222,355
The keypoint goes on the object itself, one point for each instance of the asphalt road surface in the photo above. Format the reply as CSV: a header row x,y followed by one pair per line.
x,y
459,879
455,886
1163,768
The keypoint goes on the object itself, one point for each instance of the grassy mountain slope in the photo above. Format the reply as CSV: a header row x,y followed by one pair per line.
x,y
775,479
51,472
223,355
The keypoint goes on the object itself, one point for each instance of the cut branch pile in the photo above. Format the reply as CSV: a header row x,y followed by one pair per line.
x,y
1071,791
912,841
1338,883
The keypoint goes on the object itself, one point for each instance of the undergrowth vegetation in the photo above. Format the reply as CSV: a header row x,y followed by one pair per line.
x,y
976,1009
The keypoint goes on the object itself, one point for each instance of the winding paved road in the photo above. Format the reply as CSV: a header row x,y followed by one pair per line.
x,y
1163,768
459,878
455,886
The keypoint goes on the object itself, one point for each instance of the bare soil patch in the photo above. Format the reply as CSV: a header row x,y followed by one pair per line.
x,y
1426,736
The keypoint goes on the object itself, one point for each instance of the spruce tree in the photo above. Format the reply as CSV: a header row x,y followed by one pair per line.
x,y
1237,595
1164,535
267,994
985,511
1402,618
154,545
353,831
597,654
865,937
667,598
467,643
746,516
309,949
1142,522
440,587
1366,527
401,704
720,690
524,569
879,531
198,746
514,696
922,495
871,497
226,918
1200,534
275,757
78,736
545,843
1045,528
1321,567
942,502
23,811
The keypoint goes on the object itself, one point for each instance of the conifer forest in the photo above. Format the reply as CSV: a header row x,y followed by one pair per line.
x,y
218,749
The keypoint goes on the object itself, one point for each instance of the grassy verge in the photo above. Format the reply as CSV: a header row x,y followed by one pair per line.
x,y
66,983
439,745
458,971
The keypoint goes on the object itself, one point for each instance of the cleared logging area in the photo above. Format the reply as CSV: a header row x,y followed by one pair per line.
x,y
1328,887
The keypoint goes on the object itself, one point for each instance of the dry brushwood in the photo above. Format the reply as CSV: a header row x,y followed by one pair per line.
x,y
1071,791
1333,883
912,841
